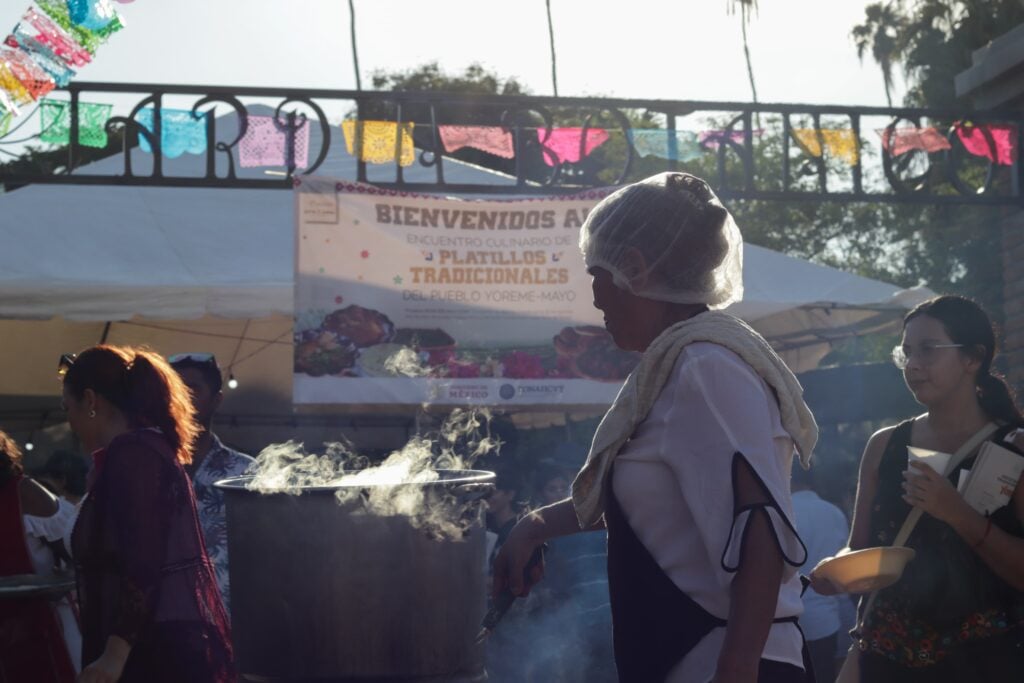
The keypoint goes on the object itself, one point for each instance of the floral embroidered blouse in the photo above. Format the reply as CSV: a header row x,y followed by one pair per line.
x,y
947,595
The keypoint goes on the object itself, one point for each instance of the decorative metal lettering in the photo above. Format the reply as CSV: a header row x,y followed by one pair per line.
x,y
834,157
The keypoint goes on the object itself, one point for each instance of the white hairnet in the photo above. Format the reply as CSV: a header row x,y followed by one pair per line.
x,y
667,238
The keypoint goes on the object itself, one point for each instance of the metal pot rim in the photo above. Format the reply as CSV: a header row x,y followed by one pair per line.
x,y
448,478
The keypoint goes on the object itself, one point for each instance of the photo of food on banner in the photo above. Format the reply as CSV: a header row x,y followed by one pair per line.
x,y
361,342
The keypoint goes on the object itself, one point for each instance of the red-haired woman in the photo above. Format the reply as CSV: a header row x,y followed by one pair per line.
x,y
32,647
149,603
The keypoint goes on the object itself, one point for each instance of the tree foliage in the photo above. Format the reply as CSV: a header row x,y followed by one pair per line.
x,y
882,33
47,161
932,40
475,80
947,248
950,249
953,249
601,167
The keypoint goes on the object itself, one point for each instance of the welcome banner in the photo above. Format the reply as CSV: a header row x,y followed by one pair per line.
x,y
407,299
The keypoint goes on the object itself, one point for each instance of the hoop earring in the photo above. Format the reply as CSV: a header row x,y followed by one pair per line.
x,y
92,413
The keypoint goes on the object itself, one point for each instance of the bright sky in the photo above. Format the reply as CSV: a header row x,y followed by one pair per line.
x,y
666,49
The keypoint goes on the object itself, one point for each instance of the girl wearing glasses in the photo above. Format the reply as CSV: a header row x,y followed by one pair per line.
x,y
957,613
150,608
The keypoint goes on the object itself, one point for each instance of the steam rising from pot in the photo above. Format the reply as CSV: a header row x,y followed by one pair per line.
x,y
400,485
407,363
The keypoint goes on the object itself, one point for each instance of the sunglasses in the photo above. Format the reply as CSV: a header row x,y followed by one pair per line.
x,y
64,364
192,357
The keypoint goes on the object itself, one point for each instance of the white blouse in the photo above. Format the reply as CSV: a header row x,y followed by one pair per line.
x,y
39,532
673,480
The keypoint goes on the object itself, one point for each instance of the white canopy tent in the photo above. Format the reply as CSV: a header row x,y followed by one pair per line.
x,y
212,270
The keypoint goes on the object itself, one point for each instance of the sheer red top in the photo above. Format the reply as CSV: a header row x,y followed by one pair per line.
x,y
142,570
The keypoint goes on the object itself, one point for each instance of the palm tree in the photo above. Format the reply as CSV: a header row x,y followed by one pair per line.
x,y
551,37
884,31
355,52
747,8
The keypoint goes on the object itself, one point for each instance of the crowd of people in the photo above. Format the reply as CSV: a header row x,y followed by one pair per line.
x,y
689,475
141,527
679,551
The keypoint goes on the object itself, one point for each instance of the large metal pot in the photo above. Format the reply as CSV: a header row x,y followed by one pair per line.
x,y
323,590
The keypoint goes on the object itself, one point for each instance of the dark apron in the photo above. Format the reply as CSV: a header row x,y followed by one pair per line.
x,y
654,624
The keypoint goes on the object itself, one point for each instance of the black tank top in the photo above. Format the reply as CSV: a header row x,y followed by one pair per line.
x,y
947,581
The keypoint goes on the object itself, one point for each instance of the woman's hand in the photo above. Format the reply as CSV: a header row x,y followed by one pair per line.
x,y
109,667
103,670
820,583
927,489
514,555
1016,437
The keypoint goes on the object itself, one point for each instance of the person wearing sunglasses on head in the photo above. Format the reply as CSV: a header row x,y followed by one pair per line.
x,y
957,612
211,459
150,608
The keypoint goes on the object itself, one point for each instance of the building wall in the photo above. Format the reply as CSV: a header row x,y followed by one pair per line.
x,y
1013,295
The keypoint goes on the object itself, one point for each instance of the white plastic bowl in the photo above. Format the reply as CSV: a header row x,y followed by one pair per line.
x,y
867,570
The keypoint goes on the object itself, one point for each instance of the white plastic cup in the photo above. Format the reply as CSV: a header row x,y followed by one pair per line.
x,y
937,460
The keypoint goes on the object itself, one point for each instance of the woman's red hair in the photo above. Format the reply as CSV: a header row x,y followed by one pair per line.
x,y
143,386
10,458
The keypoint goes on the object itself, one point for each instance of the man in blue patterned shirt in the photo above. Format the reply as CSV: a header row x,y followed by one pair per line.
x,y
211,459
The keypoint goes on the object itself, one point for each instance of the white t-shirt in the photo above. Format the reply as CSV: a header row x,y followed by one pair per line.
x,y
824,530
673,480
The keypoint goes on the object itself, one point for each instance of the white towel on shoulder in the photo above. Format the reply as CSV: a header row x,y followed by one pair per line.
x,y
645,383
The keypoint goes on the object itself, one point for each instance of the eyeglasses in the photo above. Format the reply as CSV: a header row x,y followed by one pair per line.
x,y
192,358
64,364
926,353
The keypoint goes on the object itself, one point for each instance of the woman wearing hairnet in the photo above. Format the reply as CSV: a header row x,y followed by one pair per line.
x,y
689,469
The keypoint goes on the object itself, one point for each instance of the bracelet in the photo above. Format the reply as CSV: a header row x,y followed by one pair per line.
x,y
988,528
